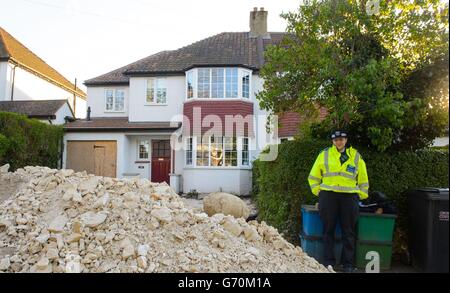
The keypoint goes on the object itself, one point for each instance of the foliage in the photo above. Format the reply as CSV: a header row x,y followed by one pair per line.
x,y
363,68
25,141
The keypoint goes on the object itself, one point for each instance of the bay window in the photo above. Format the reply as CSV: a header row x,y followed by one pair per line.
x,y
218,83
217,151
114,100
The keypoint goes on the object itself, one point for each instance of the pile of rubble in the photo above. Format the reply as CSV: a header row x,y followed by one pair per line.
x,y
62,221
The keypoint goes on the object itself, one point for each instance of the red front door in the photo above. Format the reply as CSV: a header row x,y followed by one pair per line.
x,y
160,161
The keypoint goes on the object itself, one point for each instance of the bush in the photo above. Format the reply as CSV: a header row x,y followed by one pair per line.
x,y
25,141
281,187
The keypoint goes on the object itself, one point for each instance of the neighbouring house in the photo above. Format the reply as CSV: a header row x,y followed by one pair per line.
x,y
134,111
26,77
48,111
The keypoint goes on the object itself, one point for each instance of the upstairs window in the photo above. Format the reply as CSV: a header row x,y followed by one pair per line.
x,y
231,83
114,100
190,84
156,91
246,85
203,83
216,83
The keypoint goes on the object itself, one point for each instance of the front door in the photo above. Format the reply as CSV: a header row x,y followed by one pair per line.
x,y
160,161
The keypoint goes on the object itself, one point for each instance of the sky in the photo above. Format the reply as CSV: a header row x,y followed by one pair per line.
x,y
86,38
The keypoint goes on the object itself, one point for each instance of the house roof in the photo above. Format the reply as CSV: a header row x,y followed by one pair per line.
x,y
13,51
43,109
118,124
224,49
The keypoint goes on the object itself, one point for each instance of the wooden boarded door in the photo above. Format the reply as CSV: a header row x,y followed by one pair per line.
x,y
160,161
94,157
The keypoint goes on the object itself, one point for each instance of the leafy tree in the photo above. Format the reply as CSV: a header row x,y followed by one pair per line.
x,y
360,65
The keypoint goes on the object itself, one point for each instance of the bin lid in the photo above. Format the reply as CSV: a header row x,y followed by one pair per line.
x,y
309,208
430,193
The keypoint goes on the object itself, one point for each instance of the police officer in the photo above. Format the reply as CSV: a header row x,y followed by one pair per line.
x,y
339,178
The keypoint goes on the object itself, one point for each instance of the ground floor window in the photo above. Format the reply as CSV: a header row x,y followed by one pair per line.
x,y
216,151
245,151
144,148
202,151
189,151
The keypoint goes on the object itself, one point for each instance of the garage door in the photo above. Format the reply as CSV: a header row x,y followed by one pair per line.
x,y
94,157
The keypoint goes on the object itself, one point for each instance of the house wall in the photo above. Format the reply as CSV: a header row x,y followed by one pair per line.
x,y
142,111
81,106
28,86
4,81
206,180
96,100
61,113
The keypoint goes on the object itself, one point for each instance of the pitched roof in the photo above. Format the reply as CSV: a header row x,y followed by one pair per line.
x,y
118,124
34,109
14,51
224,49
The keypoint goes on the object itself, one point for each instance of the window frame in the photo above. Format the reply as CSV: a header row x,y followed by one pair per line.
x,y
244,73
189,141
114,90
155,81
242,150
236,148
225,84
140,140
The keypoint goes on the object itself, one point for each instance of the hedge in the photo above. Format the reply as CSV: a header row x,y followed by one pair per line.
x,y
280,187
25,141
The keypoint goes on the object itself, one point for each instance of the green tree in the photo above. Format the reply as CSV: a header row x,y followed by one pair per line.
x,y
359,64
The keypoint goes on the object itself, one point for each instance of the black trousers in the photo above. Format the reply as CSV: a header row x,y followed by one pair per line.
x,y
342,207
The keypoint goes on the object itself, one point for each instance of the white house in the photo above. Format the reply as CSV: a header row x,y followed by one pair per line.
x,y
135,110
26,77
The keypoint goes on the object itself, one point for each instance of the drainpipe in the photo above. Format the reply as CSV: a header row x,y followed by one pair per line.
x,y
13,81
61,153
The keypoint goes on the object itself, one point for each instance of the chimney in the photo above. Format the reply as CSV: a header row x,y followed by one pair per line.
x,y
258,23
88,116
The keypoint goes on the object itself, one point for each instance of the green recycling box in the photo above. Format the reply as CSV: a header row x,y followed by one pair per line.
x,y
375,227
383,248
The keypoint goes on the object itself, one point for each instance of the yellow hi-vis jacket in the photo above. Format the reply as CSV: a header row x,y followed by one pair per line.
x,y
328,173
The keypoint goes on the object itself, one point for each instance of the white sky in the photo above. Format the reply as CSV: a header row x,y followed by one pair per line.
x,y
86,38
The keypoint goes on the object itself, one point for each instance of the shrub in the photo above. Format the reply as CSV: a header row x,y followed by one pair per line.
x,y
25,141
281,187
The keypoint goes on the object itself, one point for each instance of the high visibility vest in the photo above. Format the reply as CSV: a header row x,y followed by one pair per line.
x,y
328,173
